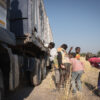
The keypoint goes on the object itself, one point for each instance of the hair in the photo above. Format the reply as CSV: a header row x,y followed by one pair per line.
x,y
64,46
52,44
73,54
77,48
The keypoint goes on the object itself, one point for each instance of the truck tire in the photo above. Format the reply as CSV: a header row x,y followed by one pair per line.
x,y
1,86
36,76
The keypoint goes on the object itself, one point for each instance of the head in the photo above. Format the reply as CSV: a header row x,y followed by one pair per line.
x,y
64,46
77,49
88,56
51,45
72,55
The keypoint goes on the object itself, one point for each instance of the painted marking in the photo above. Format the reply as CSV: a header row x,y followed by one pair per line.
x,y
2,23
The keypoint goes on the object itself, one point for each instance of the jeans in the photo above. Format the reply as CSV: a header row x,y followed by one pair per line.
x,y
76,80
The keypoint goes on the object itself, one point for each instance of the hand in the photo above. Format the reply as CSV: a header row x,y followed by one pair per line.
x,y
62,66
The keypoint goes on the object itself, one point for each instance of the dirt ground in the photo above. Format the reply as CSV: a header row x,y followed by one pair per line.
x,y
45,91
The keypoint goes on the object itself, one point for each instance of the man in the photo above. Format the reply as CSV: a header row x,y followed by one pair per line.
x,y
64,64
53,51
94,61
77,52
54,62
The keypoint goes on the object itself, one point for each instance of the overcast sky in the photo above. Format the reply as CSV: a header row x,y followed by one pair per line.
x,y
75,22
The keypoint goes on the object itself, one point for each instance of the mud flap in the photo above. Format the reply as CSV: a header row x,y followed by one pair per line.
x,y
14,71
1,85
36,74
43,66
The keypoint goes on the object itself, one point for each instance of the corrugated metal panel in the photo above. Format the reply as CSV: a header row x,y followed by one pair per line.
x,y
18,9
36,18
43,24
19,27
22,18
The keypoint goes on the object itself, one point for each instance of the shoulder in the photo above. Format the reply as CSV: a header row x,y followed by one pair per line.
x,y
54,49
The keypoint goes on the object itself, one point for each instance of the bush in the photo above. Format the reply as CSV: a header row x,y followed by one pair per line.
x,y
83,54
98,54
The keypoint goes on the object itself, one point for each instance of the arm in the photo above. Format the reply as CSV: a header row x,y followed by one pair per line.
x,y
59,57
70,50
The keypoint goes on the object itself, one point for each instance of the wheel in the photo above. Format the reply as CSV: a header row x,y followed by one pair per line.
x,y
36,74
1,86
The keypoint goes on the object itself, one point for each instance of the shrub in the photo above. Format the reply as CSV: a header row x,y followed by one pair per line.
x,y
98,54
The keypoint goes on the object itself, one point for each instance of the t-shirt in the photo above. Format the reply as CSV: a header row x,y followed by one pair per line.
x,y
78,56
53,54
77,65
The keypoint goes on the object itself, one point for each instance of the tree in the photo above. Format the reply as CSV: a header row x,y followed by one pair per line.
x,y
98,54
83,54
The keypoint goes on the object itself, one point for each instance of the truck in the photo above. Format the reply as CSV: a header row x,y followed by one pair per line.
x,y
25,33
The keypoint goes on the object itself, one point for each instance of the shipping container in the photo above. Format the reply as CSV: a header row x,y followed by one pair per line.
x,y
24,31
31,18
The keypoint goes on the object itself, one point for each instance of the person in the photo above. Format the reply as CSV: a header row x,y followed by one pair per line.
x,y
64,64
77,52
77,71
54,61
52,52
94,61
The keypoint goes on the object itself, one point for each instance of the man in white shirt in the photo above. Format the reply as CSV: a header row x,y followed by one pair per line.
x,y
54,61
53,51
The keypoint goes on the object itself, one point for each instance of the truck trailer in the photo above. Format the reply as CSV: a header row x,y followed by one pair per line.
x,y
24,33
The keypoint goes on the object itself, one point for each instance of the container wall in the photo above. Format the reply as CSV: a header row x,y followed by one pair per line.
x,y
18,9
19,27
3,13
29,16
21,17
44,30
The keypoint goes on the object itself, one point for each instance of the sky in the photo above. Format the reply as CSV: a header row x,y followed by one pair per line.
x,y
75,23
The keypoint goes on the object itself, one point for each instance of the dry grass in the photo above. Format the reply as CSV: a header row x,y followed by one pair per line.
x,y
89,84
91,73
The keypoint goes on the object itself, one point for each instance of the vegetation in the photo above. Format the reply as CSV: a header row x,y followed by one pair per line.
x,y
83,54
98,54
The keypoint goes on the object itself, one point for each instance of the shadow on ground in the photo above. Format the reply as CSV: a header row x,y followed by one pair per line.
x,y
92,89
54,79
20,94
